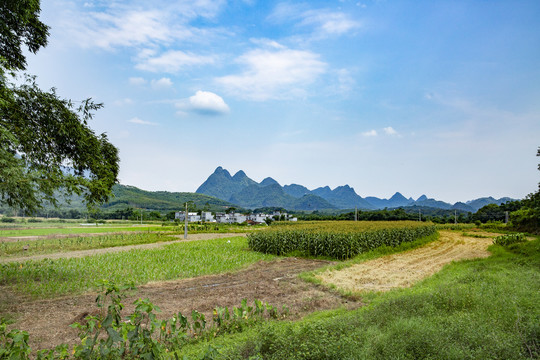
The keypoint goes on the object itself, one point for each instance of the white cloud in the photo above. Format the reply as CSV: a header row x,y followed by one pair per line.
x,y
286,11
390,131
274,74
126,28
370,133
162,83
330,23
345,81
173,61
204,103
138,81
138,121
112,24
324,21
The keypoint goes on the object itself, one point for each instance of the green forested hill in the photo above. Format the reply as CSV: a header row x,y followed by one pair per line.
x,y
125,196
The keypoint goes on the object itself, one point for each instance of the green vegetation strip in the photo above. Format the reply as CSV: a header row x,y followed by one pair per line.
x,y
165,227
80,230
49,278
49,246
338,240
476,309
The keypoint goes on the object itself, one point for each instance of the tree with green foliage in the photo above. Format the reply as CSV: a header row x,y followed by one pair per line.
x,y
527,218
490,212
47,148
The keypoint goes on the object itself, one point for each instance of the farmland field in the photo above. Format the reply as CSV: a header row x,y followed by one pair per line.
x,y
49,294
336,240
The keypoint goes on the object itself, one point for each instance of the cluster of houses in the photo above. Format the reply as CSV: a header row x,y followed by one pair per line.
x,y
225,218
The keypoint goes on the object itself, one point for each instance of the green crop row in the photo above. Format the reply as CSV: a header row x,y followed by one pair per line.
x,y
338,240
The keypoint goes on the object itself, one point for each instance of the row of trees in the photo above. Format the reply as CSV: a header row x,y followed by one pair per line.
x,y
443,216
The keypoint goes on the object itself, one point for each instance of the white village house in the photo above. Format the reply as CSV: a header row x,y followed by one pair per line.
x,y
225,218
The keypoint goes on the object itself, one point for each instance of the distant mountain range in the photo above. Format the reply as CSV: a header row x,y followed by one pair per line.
x,y
245,192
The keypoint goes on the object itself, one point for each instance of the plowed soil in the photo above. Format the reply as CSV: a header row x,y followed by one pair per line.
x,y
405,269
276,282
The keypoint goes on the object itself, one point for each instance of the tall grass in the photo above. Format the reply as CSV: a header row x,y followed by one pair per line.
x,y
49,278
47,246
10,232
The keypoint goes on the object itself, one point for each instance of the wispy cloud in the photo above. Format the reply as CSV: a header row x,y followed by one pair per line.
x,y
138,121
370,133
324,22
330,23
274,73
203,103
172,61
114,24
390,131
132,28
162,83
137,81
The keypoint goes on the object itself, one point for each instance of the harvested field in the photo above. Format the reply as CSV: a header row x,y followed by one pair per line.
x,y
405,269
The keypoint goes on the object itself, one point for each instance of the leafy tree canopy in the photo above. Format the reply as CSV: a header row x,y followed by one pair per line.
x,y
47,147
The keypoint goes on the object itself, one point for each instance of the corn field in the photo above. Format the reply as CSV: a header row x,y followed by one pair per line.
x,y
336,239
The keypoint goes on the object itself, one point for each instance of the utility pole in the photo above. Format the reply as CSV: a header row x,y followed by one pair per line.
x,y
506,217
141,216
455,216
419,215
356,213
185,223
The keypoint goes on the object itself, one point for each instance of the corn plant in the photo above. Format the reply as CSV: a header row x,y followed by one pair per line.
x,y
338,240
509,239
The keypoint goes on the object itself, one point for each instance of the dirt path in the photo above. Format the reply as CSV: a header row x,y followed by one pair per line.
x,y
83,253
276,282
405,269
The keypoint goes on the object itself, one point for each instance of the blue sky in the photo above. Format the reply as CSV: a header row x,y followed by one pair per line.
x,y
423,97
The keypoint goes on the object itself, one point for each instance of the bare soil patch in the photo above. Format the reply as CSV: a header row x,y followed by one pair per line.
x,y
275,282
83,253
405,269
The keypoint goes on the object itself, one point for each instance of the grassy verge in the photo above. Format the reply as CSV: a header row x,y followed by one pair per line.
x,y
49,246
49,278
476,309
